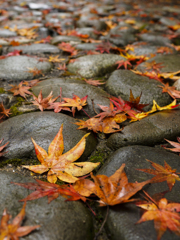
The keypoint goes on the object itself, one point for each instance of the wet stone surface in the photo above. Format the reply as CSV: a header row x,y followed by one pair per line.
x,y
88,48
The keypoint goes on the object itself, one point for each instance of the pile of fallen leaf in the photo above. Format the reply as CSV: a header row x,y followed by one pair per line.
x,y
108,191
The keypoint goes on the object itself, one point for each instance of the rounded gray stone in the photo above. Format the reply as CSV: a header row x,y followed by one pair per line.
x,y
95,65
77,87
148,131
122,218
42,127
17,67
58,220
155,39
7,33
59,39
36,48
122,81
170,63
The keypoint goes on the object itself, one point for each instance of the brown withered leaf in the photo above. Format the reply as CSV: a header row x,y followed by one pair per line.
x,y
115,189
162,174
171,90
14,231
164,214
4,112
60,165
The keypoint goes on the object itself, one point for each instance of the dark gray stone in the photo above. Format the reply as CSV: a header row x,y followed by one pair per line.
x,y
95,65
36,48
170,63
122,218
17,67
77,87
42,127
121,81
59,219
148,131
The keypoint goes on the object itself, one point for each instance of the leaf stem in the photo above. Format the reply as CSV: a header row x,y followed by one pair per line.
x,y
101,228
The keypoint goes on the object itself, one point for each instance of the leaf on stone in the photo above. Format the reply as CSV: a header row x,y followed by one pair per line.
x,y
155,108
75,102
124,63
14,231
164,214
20,89
42,189
60,165
162,174
4,112
115,189
2,147
171,90
134,102
174,144
43,103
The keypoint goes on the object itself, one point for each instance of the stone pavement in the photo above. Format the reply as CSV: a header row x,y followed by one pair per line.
x,y
97,35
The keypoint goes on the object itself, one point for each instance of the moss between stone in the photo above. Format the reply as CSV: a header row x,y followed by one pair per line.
x,y
2,90
16,162
13,109
98,156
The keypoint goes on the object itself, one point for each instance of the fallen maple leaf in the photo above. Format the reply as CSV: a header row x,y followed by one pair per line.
x,y
174,144
62,166
20,90
35,71
66,47
13,230
124,63
164,214
155,108
105,46
134,102
75,102
153,66
55,59
42,189
62,67
115,189
43,103
162,174
171,90
2,147
4,112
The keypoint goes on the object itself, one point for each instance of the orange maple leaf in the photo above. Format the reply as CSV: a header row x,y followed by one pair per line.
x,y
171,90
20,89
162,174
4,112
115,189
164,214
62,166
75,102
124,63
43,103
14,230
35,71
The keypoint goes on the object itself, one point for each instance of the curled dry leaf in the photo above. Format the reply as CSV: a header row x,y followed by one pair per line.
x,y
60,165
14,231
